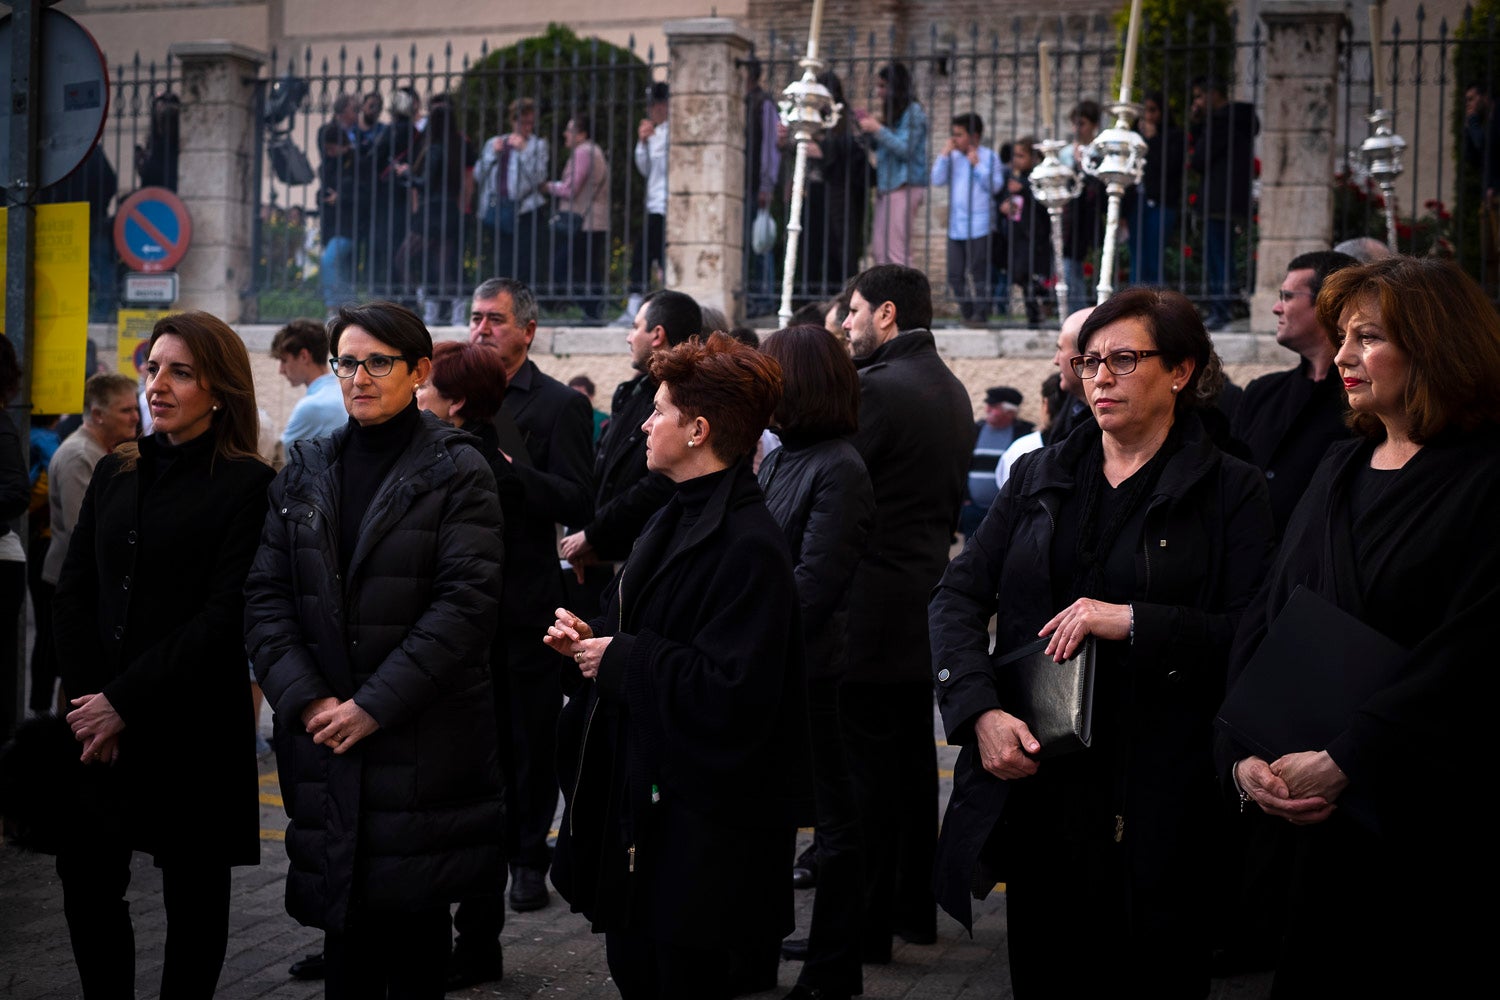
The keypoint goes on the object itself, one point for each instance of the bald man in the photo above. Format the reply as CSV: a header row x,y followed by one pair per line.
x,y
1075,407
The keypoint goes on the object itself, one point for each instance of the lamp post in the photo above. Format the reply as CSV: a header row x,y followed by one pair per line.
x,y
1382,150
807,110
1117,156
1053,185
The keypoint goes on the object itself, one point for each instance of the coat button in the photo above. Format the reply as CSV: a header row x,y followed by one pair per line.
x,y
354,643
283,510
125,583
943,674
119,631
1270,473
130,537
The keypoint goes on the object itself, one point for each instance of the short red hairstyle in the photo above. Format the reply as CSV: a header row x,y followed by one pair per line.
x,y
732,386
474,373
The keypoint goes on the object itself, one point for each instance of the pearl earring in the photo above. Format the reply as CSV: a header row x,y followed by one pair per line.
x,y
692,443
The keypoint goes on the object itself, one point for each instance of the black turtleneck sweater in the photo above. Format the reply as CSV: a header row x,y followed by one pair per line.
x,y
368,455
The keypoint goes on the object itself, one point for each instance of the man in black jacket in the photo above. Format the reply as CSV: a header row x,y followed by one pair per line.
x,y
545,431
915,436
626,494
1288,419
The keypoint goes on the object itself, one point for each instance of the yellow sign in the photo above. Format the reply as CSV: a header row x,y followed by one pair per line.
x,y
60,307
135,333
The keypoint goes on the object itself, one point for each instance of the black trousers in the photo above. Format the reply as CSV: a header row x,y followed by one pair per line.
x,y
535,700
969,260
95,876
833,947
650,247
647,969
388,955
893,767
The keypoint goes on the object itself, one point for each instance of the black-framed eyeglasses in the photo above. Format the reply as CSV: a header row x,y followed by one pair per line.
x,y
1118,362
378,365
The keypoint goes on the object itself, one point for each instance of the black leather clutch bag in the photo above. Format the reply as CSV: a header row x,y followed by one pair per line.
x,y
1055,700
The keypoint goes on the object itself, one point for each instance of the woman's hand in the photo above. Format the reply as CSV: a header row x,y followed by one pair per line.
x,y
1270,792
1310,774
1004,742
340,726
96,725
1081,619
589,653
567,632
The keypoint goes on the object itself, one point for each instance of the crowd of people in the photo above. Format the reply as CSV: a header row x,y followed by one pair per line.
x,y
757,613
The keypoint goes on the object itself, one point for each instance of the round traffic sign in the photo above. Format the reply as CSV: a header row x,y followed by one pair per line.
x,y
72,94
152,230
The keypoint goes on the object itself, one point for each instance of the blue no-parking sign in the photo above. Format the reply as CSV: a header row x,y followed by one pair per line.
x,y
152,230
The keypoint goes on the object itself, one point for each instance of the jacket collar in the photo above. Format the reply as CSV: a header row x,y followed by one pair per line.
x,y
736,488
902,345
1056,467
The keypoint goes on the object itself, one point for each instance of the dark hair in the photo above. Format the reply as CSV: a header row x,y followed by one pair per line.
x,y
1209,85
583,382
898,91
1160,100
820,394
657,93
1321,263
752,68
221,366
521,106
1028,142
1052,395
386,321
10,370
301,335
101,387
1439,317
1086,109
835,87
734,387
812,313
474,373
344,102
1177,331
970,122
676,313
714,321
905,287
522,298
444,132
583,122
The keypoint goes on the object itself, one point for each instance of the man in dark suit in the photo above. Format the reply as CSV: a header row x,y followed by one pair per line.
x,y
626,493
545,431
915,435
992,435
1288,419
1075,408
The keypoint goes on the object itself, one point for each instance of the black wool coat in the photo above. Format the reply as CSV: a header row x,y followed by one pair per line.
x,y
916,436
148,611
684,765
412,814
1204,548
820,494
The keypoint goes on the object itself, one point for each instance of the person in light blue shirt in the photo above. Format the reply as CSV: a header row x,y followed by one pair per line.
x,y
301,347
899,135
971,172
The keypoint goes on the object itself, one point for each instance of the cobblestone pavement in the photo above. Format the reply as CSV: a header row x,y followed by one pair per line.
x,y
549,953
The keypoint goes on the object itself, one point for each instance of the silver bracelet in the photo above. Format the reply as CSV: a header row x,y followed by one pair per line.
x,y
1131,609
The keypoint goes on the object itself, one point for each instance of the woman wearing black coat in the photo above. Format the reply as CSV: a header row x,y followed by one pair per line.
x,y
684,761
1140,533
370,610
1393,531
147,615
818,490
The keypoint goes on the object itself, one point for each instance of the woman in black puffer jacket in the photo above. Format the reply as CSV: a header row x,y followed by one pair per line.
x,y
370,610
818,490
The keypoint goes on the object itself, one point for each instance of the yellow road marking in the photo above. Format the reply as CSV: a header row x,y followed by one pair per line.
x,y
271,799
273,835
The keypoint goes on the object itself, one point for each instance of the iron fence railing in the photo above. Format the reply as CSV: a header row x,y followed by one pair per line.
x,y
430,197
1190,225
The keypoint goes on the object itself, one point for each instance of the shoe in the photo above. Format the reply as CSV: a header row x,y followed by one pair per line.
x,y
528,890
912,935
794,949
800,992
307,968
469,966
805,870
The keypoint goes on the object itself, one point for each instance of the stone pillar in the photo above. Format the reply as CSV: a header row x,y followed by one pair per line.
x,y
216,172
706,163
1298,141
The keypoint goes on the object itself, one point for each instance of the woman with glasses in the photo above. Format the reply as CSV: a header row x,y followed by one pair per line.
x,y
1137,535
1395,532
370,610
147,625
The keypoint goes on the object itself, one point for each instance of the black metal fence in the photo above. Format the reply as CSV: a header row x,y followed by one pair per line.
x,y
425,175
1442,83
1190,224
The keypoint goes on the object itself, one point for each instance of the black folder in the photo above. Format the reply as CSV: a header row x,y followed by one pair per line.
x,y
1313,670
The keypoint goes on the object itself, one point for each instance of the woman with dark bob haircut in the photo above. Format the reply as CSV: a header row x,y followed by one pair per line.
x,y
683,751
371,607
818,490
1393,532
147,620
1139,537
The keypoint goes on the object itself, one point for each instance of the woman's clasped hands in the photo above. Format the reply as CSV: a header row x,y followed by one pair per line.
x,y
572,637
